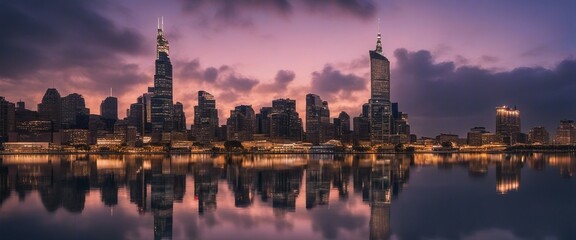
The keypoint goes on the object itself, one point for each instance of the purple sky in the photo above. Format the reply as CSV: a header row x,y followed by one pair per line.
x,y
453,61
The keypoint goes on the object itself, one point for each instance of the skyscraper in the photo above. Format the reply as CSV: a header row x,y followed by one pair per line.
x,y
285,123
241,123
162,101
263,121
109,108
7,119
538,135
179,117
508,124
566,132
74,112
317,119
380,110
205,117
51,107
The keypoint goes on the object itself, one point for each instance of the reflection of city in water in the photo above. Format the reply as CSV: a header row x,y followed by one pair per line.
x,y
154,184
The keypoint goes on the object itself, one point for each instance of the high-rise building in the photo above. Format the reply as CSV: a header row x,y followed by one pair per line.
x,y
263,121
109,108
342,128
241,124
380,109
362,124
137,117
317,119
508,124
7,119
162,101
179,117
285,123
474,137
538,135
566,132
51,107
205,117
74,112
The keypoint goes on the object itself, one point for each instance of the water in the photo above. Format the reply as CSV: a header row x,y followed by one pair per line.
x,y
425,196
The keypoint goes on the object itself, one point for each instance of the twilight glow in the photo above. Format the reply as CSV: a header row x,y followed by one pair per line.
x,y
453,62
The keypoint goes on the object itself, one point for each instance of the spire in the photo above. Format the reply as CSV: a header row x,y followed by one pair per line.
x,y
162,23
161,41
379,42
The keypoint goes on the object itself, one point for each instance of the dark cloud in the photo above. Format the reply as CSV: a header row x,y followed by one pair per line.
x,y
66,42
226,13
284,77
210,74
331,82
190,69
358,8
239,83
441,97
281,81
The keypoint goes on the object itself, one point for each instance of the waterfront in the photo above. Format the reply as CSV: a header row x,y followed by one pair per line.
x,y
420,196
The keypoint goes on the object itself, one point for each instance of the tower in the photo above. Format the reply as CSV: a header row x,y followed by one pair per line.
x,y
51,107
162,101
380,110
508,124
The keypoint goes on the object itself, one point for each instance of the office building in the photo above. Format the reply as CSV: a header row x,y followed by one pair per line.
x,y
241,124
508,124
179,117
109,108
75,115
205,118
7,119
317,119
285,123
51,107
538,135
566,132
162,101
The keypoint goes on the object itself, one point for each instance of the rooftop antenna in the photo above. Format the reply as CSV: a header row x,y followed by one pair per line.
x,y
158,23
110,92
162,22
378,25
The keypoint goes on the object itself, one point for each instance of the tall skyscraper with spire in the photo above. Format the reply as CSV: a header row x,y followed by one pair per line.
x,y
380,106
162,101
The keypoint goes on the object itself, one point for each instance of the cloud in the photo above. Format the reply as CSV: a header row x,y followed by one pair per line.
x,y
442,97
330,82
67,44
219,14
281,81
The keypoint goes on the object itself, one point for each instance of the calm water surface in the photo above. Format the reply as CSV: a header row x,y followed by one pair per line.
x,y
423,196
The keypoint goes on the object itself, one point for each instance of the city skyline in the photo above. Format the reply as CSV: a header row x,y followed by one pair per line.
x,y
446,84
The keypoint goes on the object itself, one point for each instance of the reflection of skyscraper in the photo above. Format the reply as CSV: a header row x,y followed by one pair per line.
x,y
241,180
162,198
318,178
206,186
162,101
508,175
286,189
380,200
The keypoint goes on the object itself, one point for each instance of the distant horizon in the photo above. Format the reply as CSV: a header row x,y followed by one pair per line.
x,y
475,56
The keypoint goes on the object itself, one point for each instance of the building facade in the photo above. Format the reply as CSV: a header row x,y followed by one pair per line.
x,y
162,101
109,108
508,124
380,107
241,124
51,107
205,118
